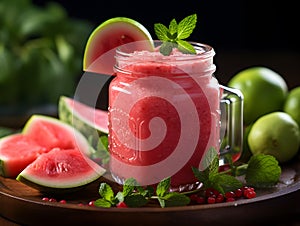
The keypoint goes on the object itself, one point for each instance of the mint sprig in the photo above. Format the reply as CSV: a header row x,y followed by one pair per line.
x,y
173,37
262,171
168,199
210,176
134,195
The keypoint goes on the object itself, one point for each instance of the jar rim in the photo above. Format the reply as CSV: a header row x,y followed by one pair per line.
x,y
127,51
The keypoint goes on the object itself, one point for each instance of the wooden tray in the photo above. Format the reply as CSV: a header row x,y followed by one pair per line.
x,y
25,206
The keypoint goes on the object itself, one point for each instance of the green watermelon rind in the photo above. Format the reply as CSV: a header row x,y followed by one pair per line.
x,y
68,185
140,31
53,190
67,115
81,141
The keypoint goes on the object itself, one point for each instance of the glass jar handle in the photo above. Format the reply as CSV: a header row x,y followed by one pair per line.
x,y
231,132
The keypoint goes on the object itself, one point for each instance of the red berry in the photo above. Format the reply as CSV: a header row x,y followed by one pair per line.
x,y
238,193
209,192
63,201
52,200
211,200
230,199
122,205
200,200
220,198
250,194
229,194
45,199
91,203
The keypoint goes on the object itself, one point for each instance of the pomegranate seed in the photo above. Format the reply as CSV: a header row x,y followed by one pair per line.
x,y
209,192
122,205
238,193
229,194
63,201
230,199
250,194
52,200
220,198
91,203
200,200
211,200
45,199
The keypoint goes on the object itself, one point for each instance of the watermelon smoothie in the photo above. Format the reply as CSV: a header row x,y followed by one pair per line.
x,y
164,114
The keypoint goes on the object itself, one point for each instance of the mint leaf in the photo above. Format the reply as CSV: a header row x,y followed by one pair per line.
x,y
163,187
161,32
135,200
174,199
173,36
173,27
262,171
106,192
128,186
102,203
224,182
166,48
202,176
185,47
186,26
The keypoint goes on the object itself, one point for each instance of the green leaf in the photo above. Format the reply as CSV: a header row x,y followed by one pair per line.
x,y
166,48
135,200
224,182
263,171
102,203
173,27
163,187
161,31
210,161
119,197
106,192
186,26
128,186
173,36
185,47
175,199
202,176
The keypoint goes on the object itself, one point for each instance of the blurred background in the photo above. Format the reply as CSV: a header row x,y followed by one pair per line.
x,y
256,32
42,42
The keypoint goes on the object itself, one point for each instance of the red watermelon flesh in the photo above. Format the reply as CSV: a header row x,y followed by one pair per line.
x,y
67,168
40,135
100,49
16,152
52,133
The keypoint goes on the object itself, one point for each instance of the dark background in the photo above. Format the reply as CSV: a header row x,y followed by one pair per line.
x,y
243,33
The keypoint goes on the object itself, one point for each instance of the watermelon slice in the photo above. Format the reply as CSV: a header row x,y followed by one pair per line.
x,y
100,48
52,133
16,152
60,171
90,121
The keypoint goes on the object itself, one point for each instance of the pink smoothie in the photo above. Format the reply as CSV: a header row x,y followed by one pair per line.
x,y
163,116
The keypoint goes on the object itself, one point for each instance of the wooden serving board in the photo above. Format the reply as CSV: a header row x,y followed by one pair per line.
x,y
24,205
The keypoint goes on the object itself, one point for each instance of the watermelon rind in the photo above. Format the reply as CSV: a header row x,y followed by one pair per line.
x,y
88,128
80,140
108,36
53,172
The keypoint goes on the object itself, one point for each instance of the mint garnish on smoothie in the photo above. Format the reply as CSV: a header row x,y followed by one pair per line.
x,y
173,37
